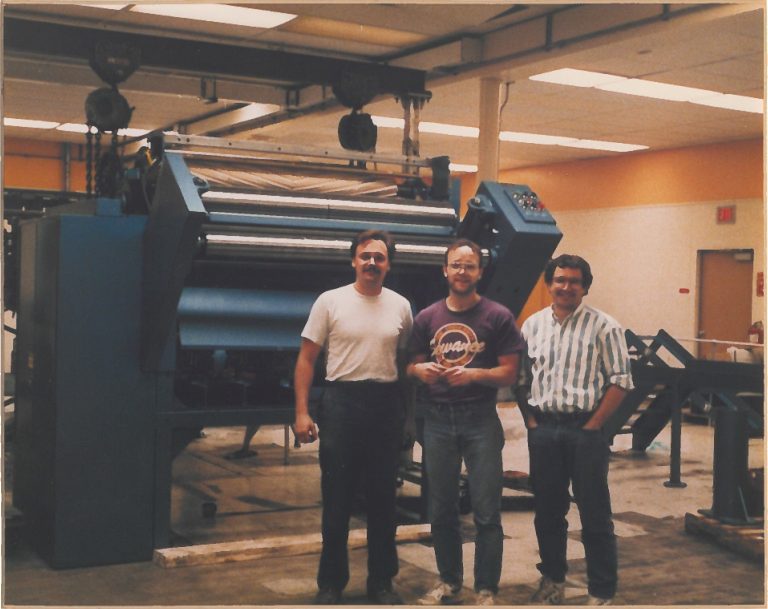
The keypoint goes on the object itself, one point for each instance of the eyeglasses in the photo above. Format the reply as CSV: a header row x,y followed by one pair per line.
x,y
565,281
467,268
376,257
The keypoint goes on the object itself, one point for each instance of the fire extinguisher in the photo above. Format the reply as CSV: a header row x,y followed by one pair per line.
x,y
756,334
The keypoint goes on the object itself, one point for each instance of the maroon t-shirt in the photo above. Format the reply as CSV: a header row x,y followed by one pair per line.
x,y
474,338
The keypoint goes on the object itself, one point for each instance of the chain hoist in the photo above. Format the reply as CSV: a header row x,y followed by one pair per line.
x,y
107,111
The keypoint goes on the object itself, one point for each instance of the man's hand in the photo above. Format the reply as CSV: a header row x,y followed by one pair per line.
x,y
305,430
459,376
427,372
610,401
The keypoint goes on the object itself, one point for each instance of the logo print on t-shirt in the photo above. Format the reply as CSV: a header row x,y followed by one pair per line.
x,y
455,344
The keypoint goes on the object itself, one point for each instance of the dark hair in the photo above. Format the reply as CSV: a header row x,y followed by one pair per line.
x,y
465,243
569,261
374,235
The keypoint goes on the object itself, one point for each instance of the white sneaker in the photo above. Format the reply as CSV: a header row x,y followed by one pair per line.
x,y
485,597
549,593
442,594
596,600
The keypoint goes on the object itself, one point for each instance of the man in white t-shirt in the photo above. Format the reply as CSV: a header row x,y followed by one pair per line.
x,y
362,327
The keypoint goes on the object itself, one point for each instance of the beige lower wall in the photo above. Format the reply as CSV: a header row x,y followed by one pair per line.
x,y
642,256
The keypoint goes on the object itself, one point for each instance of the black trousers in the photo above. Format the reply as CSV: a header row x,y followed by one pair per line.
x,y
561,452
360,429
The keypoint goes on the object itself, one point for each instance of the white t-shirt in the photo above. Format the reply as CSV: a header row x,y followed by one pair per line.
x,y
360,334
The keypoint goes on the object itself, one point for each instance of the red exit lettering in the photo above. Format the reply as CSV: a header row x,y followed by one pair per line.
x,y
726,214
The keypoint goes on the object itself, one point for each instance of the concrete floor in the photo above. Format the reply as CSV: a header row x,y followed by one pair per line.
x,y
660,564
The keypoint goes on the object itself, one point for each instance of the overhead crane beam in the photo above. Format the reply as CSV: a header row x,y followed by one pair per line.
x,y
25,37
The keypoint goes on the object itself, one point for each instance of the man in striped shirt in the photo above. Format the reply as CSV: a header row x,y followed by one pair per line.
x,y
576,375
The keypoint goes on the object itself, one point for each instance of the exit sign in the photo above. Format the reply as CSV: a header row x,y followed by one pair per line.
x,y
726,214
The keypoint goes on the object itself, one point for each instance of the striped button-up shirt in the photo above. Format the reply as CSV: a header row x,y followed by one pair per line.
x,y
571,363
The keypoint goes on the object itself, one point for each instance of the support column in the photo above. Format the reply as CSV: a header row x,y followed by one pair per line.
x,y
488,142
67,162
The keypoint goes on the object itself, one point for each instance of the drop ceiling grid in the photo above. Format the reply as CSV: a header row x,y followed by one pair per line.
x,y
730,75
654,57
728,54
429,19
516,155
681,136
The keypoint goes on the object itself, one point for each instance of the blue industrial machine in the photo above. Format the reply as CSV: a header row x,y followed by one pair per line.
x,y
179,305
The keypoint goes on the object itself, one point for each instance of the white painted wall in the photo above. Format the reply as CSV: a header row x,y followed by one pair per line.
x,y
642,256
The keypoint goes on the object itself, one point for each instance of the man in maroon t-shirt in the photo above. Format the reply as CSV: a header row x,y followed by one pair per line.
x,y
462,349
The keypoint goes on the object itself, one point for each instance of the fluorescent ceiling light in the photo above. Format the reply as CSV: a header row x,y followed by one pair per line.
x,y
576,78
113,7
535,138
459,168
650,88
218,13
656,90
246,113
732,102
28,123
445,129
73,127
387,122
81,128
129,132
609,146
257,110
427,127
570,142
509,136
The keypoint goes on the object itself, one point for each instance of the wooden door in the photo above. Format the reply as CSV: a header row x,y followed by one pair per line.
x,y
725,299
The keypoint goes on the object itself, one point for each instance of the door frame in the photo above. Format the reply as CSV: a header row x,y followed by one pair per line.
x,y
699,269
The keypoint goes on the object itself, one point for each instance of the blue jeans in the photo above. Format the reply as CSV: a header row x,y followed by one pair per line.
x,y
472,432
360,430
561,453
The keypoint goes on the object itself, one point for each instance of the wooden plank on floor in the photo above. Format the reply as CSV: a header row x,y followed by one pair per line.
x,y
288,545
748,541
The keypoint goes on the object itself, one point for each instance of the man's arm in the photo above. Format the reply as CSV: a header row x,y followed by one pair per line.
x,y
523,392
521,395
613,348
408,397
502,375
304,427
612,399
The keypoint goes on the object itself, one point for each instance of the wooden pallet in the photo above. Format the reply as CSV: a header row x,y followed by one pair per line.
x,y
747,540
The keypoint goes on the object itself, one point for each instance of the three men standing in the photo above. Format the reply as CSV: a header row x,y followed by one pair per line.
x,y
360,326
578,372
463,348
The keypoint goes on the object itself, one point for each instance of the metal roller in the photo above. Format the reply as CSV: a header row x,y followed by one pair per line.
x,y
249,305
287,248
327,207
213,318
